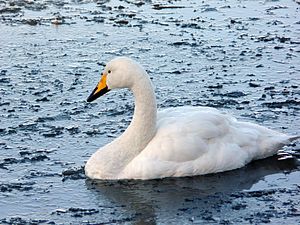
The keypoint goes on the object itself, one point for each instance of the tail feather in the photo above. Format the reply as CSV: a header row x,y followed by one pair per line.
x,y
272,145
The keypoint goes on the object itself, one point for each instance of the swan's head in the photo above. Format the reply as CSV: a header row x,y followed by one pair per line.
x,y
120,72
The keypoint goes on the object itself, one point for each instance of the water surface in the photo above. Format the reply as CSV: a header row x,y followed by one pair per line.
x,y
241,57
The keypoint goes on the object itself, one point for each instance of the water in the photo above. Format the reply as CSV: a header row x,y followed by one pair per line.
x,y
241,57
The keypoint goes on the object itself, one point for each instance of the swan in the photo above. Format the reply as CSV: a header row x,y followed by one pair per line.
x,y
174,142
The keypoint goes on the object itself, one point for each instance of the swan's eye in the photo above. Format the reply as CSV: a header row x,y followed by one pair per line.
x,y
109,71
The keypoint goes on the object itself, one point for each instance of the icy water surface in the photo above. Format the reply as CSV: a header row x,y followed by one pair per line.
x,y
239,56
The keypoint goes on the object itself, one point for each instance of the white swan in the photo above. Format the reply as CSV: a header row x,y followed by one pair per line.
x,y
174,142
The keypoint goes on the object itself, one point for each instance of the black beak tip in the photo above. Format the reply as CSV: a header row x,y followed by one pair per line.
x,y
94,96
89,99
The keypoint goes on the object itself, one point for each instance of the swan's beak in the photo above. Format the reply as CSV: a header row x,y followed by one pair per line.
x,y
99,90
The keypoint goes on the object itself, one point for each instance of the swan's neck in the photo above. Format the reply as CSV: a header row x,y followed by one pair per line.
x,y
143,125
140,131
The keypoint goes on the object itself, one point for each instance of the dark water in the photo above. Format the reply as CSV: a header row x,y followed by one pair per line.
x,y
239,56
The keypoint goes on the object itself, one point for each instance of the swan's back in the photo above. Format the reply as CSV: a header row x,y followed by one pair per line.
x,y
200,140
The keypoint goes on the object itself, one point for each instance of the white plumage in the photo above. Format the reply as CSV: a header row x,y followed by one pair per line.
x,y
175,142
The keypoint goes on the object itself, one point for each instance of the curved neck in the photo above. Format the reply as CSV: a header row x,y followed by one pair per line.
x,y
143,125
137,135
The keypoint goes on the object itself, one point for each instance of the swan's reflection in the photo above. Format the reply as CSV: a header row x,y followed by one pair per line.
x,y
155,199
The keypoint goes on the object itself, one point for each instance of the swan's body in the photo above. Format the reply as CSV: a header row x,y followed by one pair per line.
x,y
175,142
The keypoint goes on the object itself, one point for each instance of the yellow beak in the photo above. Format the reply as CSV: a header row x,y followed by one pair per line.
x,y
99,90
